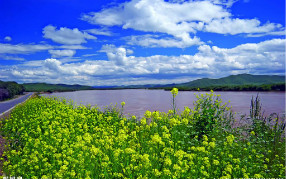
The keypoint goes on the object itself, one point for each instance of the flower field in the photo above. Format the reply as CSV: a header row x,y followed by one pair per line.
x,y
51,138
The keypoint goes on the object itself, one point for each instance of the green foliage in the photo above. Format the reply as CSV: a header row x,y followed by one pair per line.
x,y
174,92
53,138
264,87
266,131
44,87
235,80
12,87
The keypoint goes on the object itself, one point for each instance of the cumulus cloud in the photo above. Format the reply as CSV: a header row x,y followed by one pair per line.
x,y
156,41
62,53
23,48
66,36
8,38
212,61
116,55
238,26
179,19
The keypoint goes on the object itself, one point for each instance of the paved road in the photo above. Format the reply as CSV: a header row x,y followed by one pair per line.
x,y
6,105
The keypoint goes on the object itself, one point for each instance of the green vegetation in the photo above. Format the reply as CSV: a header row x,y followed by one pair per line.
x,y
269,87
51,138
9,89
235,80
241,82
44,87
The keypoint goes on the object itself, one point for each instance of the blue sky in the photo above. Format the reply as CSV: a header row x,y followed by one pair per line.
x,y
139,41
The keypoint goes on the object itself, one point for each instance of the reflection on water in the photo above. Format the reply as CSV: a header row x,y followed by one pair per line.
x,y
139,100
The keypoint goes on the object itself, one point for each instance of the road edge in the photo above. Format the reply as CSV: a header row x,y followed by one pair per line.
x,y
7,112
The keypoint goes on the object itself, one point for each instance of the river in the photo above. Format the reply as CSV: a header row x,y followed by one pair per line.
x,y
139,100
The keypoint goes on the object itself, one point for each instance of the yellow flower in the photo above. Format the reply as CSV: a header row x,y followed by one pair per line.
x,y
205,173
230,139
228,168
205,138
167,172
258,176
212,144
180,154
216,162
176,167
205,143
143,121
129,151
157,173
148,114
168,161
185,121
252,133
94,150
174,122
122,103
174,91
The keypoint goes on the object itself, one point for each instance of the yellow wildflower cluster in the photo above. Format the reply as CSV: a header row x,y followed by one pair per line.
x,y
52,138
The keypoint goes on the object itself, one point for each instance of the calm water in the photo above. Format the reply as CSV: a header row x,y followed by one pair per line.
x,y
139,100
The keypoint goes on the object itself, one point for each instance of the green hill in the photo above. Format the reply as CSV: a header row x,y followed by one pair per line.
x,y
9,89
44,87
234,80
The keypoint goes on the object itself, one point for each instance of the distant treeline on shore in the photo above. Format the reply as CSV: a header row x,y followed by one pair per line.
x,y
44,87
266,87
9,89
241,82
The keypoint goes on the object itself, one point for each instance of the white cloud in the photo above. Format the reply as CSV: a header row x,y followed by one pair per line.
x,y
156,41
8,38
73,47
8,57
62,53
102,31
238,26
116,55
23,48
179,19
66,36
267,57
227,3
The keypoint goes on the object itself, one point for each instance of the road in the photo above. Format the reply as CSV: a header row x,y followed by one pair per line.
x,y
6,105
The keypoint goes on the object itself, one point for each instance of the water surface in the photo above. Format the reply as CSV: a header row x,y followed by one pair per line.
x,y
139,100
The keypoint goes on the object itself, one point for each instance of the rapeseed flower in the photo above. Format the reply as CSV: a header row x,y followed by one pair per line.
x,y
174,91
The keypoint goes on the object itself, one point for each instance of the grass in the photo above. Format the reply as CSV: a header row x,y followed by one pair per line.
x,y
51,138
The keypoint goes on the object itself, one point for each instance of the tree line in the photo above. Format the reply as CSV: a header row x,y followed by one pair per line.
x,y
9,89
265,87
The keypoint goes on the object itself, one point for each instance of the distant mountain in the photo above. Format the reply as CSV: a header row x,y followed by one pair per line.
x,y
234,80
241,82
45,87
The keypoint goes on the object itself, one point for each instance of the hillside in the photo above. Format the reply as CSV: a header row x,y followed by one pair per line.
x,y
9,89
241,82
38,87
235,80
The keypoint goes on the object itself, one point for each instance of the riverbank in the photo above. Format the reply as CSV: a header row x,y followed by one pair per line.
x,y
140,100
51,138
